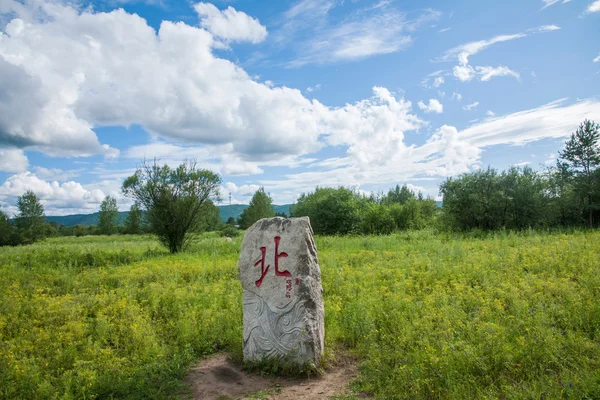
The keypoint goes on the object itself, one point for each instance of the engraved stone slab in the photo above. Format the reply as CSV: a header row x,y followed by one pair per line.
x,y
283,296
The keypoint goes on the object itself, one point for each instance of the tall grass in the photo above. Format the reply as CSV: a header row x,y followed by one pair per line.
x,y
428,316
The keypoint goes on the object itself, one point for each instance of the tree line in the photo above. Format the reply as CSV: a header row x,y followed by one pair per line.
x,y
174,204
567,194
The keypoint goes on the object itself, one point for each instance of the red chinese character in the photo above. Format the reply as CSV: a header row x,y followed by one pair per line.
x,y
277,255
263,270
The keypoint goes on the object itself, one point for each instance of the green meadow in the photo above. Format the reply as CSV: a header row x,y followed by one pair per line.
x,y
508,316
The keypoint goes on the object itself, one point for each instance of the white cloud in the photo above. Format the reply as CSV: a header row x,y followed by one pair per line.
x,y
546,28
373,129
490,113
465,72
486,73
244,190
13,160
553,120
78,69
433,106
448,152
57,198
548,3
313,88
369,31
229,24
444,30
55,174
463,52
438,79
594,7
456,96
597,59
471,106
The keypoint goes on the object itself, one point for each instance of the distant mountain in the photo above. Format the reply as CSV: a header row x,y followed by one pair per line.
x,y
83,219
233,210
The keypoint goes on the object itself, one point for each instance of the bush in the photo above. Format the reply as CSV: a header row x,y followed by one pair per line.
x,y
331,211
377,220
229,231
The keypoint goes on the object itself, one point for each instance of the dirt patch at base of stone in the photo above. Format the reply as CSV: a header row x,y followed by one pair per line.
x,y
219,378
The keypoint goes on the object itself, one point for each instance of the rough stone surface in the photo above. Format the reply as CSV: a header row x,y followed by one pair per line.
x,y
283,296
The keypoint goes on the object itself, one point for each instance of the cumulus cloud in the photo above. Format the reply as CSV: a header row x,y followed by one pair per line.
x,y
490,113
13,160
229,24
438,81
244,190
58,198
597,59
55,174
449,151
594,7
433,106
79,69
456,96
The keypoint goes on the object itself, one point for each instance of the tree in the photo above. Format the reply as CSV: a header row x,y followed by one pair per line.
x,y
398,195
261,206
331,211
6,230
31,219
210,217
133,222
230,221
564,207
582,154
107,222
172,199
377,220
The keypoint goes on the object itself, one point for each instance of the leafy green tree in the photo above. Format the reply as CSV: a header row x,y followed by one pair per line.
x,y
30,222
582,155
474,200
133,222
261,206
331,211
107,221
398,195
210,217
377,220
563,205
523,195
6,230
230,221
172,199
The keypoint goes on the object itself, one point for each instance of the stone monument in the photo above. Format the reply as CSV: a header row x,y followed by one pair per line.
x,y
283,297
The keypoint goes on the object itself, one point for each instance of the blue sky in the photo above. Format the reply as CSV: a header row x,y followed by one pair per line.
x,y
287,95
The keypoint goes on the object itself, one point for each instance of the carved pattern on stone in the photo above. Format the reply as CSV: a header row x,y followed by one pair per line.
x,y
277,332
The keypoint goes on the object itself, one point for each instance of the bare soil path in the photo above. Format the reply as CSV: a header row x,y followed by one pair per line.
x,y
218,378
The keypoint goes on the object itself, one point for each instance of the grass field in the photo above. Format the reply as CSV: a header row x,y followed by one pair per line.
x,y
427,316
